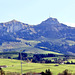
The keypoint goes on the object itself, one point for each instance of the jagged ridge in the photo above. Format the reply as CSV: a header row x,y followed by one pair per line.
x,y
47,30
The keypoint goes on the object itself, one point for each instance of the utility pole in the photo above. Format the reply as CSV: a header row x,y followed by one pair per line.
x,y
21,61
21,68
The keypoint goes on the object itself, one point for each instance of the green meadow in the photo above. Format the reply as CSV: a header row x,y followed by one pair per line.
x,y
15,66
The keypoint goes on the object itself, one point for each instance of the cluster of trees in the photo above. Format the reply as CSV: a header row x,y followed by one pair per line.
x,y
70,62
44,55
47,72
22,56
65,72
38,58
8,55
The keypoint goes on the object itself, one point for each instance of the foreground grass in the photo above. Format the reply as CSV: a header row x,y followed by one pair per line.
x,y
15,66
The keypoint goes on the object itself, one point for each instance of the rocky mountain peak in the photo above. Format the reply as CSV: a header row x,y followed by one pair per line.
x,y
51,21
14,20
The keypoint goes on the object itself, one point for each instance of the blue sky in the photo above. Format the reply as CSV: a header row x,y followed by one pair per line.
x,y
36,11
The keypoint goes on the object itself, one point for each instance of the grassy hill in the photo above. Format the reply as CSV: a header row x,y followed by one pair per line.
x,y
40,46
28,46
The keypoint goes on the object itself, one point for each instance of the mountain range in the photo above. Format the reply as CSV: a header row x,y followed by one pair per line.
x,y
50,35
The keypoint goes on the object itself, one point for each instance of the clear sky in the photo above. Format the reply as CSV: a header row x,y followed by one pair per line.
x,y
36,11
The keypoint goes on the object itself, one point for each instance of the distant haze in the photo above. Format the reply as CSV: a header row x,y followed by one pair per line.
x,y
70,24
34,11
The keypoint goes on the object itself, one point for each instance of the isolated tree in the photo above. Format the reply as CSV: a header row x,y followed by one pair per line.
x,y
48,72
42,73
65,72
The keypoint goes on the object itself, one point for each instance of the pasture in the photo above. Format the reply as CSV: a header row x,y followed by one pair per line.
x,y
15,66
